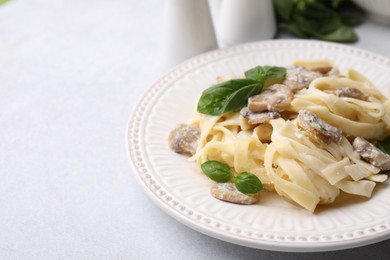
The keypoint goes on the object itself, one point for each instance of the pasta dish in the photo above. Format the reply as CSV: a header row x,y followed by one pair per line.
x,y
307,132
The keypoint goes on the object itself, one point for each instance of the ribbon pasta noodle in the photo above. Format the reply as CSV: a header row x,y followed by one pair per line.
x,y
288,160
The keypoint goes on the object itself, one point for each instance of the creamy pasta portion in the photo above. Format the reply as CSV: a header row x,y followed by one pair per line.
x,y
309,137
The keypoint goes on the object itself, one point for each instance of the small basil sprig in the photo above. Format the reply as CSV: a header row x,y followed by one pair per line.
x,y
269,75
245,182
228,96
248,183
233,95
217,171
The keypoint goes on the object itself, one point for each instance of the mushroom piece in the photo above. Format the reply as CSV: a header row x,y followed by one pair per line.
x,y
317,128
298,77
228,192
276,98
184,139
327,71
371,153
322,69
351,93
258,118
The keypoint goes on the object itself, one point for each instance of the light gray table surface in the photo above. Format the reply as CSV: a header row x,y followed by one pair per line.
x,y
70,74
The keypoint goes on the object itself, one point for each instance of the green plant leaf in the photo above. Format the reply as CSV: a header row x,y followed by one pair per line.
x,y
228,96
268,74
233,95
341,34
351,20
283,8
318,19
295,30
384,145
248,183
217,171
336,3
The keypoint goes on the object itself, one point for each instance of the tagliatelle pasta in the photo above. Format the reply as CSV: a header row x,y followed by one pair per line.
x,y
354,117
286,158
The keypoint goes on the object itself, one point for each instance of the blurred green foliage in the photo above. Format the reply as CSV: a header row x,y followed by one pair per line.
x,y
321,19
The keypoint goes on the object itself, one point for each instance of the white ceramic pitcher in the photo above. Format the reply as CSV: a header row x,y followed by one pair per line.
x,y
188,30
245,20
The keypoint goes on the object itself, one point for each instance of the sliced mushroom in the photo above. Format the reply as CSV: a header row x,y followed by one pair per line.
x,y
322,69
276,98
351,93
371,153
228,192
317,128
298,77
184,139
258,118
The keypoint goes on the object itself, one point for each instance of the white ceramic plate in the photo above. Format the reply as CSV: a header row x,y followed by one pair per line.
x,y
179,188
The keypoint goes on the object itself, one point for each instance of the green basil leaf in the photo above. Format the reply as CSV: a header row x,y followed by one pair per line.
x,y
283,8
239,98
384,145
336,3
267,74
228,96
317,18
351,20
217,171
341,34
301,5
296,30
233,95
306,25
248,183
